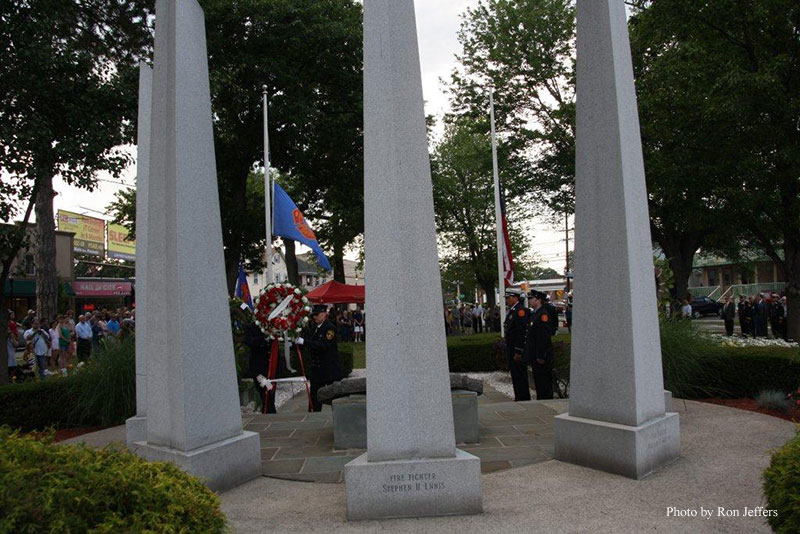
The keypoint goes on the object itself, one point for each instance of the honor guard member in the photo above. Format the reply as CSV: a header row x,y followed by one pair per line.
x,y
516,331
259,347
539,348
322,351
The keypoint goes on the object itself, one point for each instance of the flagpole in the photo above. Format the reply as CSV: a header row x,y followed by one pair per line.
x,y
498,219
267,190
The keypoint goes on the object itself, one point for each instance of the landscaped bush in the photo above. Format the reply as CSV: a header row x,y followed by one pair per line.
x,y
474,354
773,400
55,488
782,488
37,405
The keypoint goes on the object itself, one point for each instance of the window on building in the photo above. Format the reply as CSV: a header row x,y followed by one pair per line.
x,y
255,278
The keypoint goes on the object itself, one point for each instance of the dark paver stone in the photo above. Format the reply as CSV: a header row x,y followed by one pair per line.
x,y
276,467
358,386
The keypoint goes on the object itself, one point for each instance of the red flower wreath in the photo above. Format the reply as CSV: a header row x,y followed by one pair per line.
x,y
291,321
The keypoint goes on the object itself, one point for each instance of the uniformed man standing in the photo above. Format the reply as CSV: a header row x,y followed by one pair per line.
x,y
322,352
516,331
539,348
259,347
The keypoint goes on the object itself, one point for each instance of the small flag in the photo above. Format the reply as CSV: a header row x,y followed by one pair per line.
x,y
508,261
290,223
242,289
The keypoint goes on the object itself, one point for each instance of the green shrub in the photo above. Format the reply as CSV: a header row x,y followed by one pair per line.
x,y
744,371
56,488
37,405
106,389
474,354
683,348
782,487
773,400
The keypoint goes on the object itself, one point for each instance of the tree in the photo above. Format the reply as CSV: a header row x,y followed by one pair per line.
x,y
308,53
749,51
463,196
66,91
525,50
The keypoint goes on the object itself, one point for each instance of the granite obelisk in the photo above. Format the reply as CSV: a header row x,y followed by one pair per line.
x,y
136,426
616,420
193,414
412,467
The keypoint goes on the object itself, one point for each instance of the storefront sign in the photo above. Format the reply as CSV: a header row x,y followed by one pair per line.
x,y
102,289
119,247
89,232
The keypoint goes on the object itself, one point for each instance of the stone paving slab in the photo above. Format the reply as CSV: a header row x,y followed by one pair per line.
x,y
297,445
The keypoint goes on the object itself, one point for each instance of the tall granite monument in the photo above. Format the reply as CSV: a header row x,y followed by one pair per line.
x,y
412,467
193,414
616,420
136,426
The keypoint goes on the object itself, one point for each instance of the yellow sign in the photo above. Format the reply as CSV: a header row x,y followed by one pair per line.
x,y
89,232
119,247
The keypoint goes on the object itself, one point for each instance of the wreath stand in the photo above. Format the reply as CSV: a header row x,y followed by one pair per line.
x,y
280,312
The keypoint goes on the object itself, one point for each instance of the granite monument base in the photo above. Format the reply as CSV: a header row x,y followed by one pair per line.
x,y
135,430
413,488
350,419
222,465
631,451
667,401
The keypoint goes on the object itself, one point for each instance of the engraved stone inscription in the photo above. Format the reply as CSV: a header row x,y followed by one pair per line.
x,y
412,482
660,437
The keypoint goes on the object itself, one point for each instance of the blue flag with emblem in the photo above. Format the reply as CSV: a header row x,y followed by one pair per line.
x,y
288,222
242,288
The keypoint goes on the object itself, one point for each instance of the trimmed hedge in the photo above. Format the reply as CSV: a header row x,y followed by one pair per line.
x,y
57,488
782,487
38,405
694,366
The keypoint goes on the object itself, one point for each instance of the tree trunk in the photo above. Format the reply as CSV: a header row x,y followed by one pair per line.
x,y
488,288
231,268
45,253
338,263
3,341
792,272
291,262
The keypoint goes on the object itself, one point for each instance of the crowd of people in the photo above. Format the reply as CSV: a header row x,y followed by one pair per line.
x,y
49,346
350,324
757,314
478,318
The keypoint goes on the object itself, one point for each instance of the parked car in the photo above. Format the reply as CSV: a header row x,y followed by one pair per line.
x,y
705,306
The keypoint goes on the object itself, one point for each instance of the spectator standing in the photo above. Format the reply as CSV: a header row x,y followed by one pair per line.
x,y
54,347
568,317
775,315
448,321
27,322
477,319
358,325
83,331
784,326
740,306
728,314
64,340
760,316
11,342
686,309
40,340
748,318
456,319
113,325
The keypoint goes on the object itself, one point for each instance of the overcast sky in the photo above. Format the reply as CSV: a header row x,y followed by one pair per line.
x,y
438,22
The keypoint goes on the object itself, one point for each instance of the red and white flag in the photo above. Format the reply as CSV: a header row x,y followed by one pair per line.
x,y
508,260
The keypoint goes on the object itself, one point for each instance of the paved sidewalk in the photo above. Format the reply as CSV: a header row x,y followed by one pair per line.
x,y
297,445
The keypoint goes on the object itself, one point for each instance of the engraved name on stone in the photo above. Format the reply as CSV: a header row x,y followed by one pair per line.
x,y
659,438
408,482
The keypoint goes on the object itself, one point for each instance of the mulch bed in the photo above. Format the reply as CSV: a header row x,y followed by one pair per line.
x,y
752,406
67,433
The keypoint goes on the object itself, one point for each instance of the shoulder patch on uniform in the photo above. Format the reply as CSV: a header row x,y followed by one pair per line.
x,y
545,318
521,313
330,335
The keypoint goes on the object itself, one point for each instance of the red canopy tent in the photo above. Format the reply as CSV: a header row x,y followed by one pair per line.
x,y
336,293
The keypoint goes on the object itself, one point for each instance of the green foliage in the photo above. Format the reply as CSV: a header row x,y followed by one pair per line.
x,y
683,348
474,354
100,394
782,487
106,389
772,399
56,488
37,405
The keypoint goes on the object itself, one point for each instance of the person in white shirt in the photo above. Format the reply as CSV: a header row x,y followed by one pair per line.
x,y
40,339
54,349
686,309
84,332
477,319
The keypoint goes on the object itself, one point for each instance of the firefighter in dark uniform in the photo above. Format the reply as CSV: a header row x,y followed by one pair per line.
x,y
321,351
516,331
259,347
539,348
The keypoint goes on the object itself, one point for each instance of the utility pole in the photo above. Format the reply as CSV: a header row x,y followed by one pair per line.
x,y
566,235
